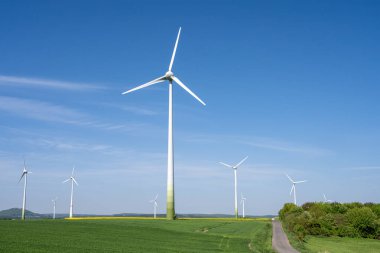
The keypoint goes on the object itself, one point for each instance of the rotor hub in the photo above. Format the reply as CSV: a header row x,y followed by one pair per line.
x,y
169,75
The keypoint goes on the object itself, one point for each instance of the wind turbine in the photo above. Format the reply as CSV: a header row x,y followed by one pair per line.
x,y
242,202
24,174
294,187
326,200
154,201
169,76
54,201
72,190
235,171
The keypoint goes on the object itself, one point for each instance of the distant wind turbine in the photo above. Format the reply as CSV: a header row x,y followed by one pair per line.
x,y
54,202
235,171
242,202
169,76
293,189
72,190
25,175
154,201
325,199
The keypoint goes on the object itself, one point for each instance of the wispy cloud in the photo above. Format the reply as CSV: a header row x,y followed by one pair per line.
x,y
138,110
268,143
260,142
47,83
40,110
366,168
48,112
71,146
133,109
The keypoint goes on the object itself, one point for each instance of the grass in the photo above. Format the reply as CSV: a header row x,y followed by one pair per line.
x,y
135,235
319,244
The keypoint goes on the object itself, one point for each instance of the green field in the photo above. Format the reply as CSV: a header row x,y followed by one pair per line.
x,y
188,235
315,244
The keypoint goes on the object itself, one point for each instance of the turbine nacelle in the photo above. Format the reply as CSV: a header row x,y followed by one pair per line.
x,y
169,75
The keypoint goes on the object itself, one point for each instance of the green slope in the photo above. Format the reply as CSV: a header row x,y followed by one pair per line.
x,y
135,236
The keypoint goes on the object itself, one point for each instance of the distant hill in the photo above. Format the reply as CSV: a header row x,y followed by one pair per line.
x,y
15,213
193,215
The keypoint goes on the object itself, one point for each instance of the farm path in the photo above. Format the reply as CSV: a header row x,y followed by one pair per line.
x,y
280,241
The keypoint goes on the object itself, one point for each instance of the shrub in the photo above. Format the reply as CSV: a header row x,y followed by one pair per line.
x,y
363,220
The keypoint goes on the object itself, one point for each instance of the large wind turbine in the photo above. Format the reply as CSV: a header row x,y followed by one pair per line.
x,y
54,202
154,201
293,189
24,174
235,171
242,202
72,190
169,76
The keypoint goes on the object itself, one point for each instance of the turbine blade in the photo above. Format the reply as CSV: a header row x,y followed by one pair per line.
x,y
225,164
291,180
157,80
291,190
75,182
303,181
187,89
72,172
237,165
22,175
65,181
156,197
174,51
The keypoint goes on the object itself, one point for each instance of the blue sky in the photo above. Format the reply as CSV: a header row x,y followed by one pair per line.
x,y
292,84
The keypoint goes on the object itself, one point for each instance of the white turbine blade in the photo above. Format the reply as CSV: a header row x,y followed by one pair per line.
x,y
324,196
303,181
291,180
187,89
174,51
157,80
22,175
75,182
156,197
291,190
72,172
237,165
225,164
66,181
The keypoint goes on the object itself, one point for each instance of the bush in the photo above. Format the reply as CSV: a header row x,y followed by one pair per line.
x,y
328,219
363,220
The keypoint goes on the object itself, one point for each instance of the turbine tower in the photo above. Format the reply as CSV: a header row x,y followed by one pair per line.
x,y
293,189
72,179
169,76
242,202
154,201
25,175
235,171
54,202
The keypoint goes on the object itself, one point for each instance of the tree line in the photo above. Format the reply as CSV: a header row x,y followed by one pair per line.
x,y
332,219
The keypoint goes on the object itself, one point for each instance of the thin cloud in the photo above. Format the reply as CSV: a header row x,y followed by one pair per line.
x,y
133,109
43,111
366,168
286,147
40,110
46,83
